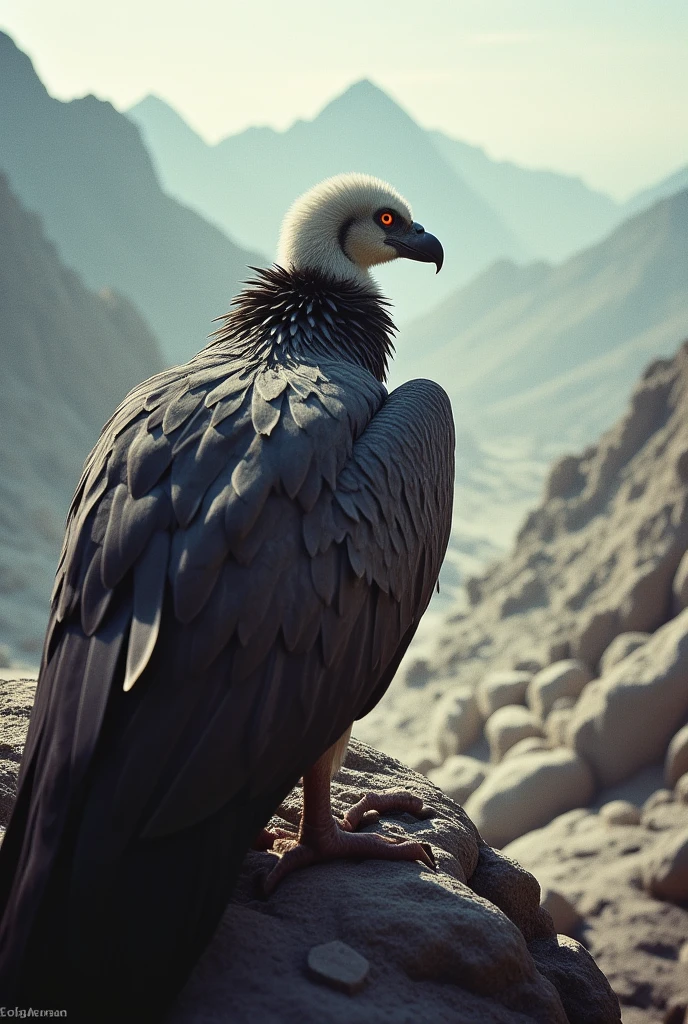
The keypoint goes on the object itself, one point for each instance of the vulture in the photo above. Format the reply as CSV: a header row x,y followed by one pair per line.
x,y
250,548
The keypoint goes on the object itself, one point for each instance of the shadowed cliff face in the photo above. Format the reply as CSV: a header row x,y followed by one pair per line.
x,y
69,357
83,168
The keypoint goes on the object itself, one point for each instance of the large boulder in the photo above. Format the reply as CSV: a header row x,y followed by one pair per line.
x,y
523,793
562,679
665,872
456,722
625,719
404,942
452,945
507,726
497,689
459,776
620,647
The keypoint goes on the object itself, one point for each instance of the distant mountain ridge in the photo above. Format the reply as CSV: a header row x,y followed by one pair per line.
x,y
554,214
482,209
553,351
83,167
69,357
247,181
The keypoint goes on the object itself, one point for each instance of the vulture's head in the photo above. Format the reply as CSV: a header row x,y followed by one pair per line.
x,y
350,223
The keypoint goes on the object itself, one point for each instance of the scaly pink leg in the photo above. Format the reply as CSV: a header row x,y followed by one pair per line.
x,y
322,838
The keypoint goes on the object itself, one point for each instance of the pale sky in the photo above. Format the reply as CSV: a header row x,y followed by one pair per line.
x,y
597,88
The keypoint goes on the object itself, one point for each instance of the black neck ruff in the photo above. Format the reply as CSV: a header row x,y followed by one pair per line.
x,y
303,314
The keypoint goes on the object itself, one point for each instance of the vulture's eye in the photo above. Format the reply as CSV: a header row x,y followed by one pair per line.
x,y
386,218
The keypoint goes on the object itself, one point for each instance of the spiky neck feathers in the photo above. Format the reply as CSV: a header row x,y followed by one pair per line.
x,y
304,314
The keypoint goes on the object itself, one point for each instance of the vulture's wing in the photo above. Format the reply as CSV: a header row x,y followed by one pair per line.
x,y
246,560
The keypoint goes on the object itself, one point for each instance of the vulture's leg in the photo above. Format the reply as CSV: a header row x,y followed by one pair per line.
x,y
322,838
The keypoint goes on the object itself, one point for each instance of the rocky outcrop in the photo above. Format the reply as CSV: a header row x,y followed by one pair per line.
x,y
375,941
593,604
627,882
604,544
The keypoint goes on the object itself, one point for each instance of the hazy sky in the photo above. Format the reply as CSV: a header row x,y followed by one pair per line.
x,y
597,88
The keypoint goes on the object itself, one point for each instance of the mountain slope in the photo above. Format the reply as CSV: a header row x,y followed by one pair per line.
x,y
68,357
247,181
554,214
669,186
553,351
83,167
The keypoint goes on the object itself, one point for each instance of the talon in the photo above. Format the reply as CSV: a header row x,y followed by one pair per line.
x,y
430,859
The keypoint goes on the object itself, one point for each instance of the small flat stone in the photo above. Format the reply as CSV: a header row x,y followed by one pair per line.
x,y
339,966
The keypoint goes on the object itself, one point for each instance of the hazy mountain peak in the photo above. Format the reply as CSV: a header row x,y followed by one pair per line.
x,y
152,113
17,67
364,99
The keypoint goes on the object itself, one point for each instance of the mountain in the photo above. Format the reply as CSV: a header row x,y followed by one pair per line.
x,y
669,186
83,167
246,182
69,356
553,214
527,212
552,351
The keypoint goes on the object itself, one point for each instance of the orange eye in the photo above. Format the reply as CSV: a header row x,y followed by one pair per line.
x,y
387,219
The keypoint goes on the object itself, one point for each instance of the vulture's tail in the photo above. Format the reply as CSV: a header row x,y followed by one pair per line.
x,y
99,922
120,949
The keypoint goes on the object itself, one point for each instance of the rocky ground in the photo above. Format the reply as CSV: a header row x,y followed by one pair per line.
x,y
376,941
564,688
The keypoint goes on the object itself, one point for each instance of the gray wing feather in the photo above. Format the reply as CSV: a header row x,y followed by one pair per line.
x,y
150,573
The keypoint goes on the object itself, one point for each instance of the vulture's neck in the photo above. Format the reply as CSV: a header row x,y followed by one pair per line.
x,y
302,314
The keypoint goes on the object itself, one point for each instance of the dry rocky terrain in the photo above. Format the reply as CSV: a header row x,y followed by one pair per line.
x,y
555,709
377,941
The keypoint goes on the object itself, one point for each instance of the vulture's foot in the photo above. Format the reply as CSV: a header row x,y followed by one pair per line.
x,y
332,842
372,805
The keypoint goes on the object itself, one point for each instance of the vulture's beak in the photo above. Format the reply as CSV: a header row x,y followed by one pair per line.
x,y
418,244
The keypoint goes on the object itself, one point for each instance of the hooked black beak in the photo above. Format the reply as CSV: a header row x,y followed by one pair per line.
x,y
418,244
